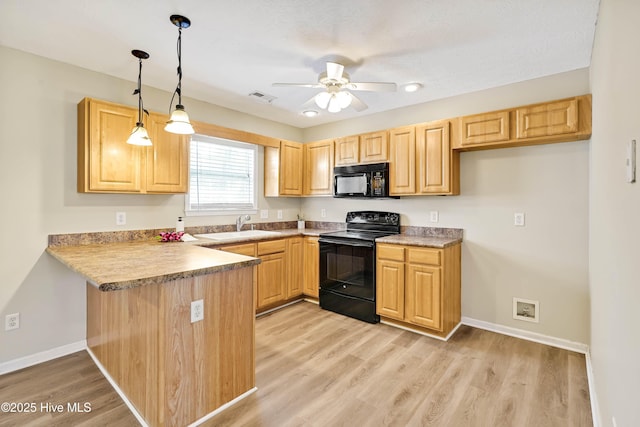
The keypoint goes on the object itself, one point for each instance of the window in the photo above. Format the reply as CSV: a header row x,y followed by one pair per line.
x,y
222,176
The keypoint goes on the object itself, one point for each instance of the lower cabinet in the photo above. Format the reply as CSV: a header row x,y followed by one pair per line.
x,y
418,286
279,277
311,267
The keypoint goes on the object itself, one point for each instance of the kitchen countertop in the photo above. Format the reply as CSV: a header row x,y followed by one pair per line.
x,y
116,266
121,265
426,241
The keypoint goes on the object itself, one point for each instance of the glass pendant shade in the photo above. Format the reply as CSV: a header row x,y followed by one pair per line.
x,y
139,136
322,99
334,104
344,99
179,122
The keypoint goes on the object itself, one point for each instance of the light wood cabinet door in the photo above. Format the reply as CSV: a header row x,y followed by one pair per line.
x,y
374,147
402,170
248,249
295,263
106,163
318,168
311,267
347,150
390,298
484,128
424,296
167,160
272,279
290,168
552,118
433,153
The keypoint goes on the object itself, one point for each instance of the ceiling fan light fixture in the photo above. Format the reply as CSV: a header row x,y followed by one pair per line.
x,y
344,99
322,99
412,87
334,104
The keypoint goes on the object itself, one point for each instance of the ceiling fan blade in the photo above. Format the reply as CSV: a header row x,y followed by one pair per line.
x,y
357,103
311,85
334,71
372,87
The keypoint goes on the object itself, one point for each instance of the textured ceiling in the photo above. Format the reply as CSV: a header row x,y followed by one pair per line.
x,y
236,47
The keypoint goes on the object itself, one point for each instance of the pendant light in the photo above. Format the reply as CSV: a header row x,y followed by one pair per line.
x,y
179,121
139,135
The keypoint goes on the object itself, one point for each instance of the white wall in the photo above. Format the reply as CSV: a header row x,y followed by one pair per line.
x,y
38,176
614,206
548,259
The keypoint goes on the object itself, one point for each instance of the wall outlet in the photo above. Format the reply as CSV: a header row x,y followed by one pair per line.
x,y
279,214
525,309
518,219
12,321
197,310
323,213
121,218
264,214
433,216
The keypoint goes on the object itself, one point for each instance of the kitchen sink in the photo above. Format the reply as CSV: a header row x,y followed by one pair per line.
x,y
233,235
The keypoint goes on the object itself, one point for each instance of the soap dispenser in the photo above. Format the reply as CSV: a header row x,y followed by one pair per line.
x,y
179,225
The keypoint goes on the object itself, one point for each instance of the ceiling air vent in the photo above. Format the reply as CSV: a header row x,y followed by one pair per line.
x,y
262,97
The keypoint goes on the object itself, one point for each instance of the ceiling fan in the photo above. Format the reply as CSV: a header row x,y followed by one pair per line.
x,y
337,85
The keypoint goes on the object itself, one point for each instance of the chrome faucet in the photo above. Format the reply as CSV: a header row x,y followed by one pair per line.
x,y
241,220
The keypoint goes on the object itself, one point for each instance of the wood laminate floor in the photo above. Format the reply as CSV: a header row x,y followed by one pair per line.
x,y
317,368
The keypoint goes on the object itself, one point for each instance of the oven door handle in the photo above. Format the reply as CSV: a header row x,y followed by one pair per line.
x,y
346,243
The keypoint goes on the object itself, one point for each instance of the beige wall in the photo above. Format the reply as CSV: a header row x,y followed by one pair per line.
x,y
614,207
546,260
38,176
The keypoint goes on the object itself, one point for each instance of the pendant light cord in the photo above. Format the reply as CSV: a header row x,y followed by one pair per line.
x,y
140,105
179,87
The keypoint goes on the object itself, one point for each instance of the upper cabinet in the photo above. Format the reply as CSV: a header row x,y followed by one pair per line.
x,y
318,168
421,160
107,164
366,148
556,121
283,169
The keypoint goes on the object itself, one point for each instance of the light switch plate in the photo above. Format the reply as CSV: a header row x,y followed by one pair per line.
x,y
433,216
279,214
264,214
518,219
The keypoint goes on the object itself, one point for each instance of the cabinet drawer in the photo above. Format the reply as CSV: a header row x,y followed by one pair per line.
x,y
271,247
248,249
391,252
425,256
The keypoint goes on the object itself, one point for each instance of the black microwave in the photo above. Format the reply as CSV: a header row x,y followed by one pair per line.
x,y
371,180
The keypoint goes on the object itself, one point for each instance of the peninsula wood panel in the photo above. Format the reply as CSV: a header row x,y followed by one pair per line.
x,y
318,168
167,165
172,370
402,168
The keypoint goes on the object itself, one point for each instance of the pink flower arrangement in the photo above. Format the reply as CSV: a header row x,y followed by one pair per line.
x,y
171,236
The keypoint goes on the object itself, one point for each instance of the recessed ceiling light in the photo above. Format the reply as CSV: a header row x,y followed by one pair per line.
x,y
310,113
412,87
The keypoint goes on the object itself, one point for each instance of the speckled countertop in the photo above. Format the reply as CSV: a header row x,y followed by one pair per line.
x,y
426,241
116,266
111,262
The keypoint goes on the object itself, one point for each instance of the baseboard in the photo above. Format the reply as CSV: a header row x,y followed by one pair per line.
x,y
595,407
417,331
115,386
43,356
527,335
222,408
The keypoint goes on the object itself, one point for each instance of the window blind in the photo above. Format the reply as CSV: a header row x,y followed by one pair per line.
x,y
221,174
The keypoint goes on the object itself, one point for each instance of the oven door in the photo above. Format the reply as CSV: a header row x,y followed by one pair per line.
x,y
347,267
